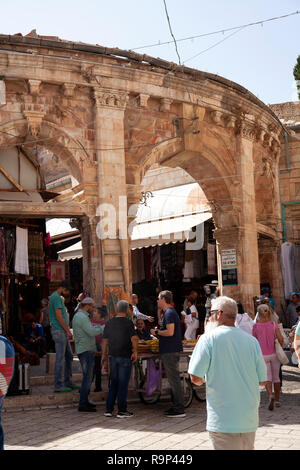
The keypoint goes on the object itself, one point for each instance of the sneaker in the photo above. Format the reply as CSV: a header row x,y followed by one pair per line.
x,y
168,411
64,389
175,414
108,414
124,414
75,387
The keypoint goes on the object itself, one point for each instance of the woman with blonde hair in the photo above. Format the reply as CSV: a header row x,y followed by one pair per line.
x,y
265,331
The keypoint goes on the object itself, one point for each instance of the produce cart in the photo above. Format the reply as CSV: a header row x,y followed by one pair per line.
x,y
150,380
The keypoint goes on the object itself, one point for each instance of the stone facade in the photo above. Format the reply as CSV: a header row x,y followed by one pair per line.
x,y
108,116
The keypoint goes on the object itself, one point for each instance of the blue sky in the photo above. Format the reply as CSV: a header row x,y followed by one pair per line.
x,y
259,58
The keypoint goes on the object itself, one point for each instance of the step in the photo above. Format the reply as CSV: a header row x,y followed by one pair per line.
x,y
112,253
43,397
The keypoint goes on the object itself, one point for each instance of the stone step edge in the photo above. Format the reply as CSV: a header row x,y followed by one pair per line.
x,y
65,404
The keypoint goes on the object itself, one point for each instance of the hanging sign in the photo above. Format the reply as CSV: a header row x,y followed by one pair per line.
x,y
57,272
228,258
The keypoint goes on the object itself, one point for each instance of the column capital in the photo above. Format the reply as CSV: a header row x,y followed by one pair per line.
x,y
108,97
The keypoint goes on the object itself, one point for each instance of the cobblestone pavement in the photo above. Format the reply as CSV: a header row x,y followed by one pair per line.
x,y
65,428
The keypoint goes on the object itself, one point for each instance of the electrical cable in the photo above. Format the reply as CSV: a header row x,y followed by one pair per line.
x,y
261,22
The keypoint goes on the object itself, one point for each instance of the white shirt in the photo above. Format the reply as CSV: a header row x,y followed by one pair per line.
x,y
138,315
244,322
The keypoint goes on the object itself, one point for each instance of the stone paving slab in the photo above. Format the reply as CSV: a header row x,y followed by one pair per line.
x,y
65,428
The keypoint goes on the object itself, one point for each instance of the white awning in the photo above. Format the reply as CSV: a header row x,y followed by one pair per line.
x,y
174,230
72,252
169,216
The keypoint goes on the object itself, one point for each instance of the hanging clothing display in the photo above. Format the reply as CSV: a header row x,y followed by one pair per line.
x,y
10,246
36,256
21,257
287,265
3,265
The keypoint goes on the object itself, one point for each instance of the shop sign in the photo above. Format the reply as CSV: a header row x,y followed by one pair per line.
x,y
57,272
229,277
228,258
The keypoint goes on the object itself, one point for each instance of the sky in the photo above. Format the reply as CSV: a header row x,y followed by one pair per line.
x,y
260,58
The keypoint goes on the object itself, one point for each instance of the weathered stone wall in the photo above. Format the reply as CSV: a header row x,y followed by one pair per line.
x,y
110,119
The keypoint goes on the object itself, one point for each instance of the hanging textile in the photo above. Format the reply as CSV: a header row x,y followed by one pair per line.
x,y
111,297
296,259
288,268
36,256
21,257
3,265
10,246
180,254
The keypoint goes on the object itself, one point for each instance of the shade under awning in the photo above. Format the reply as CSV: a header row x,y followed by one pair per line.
x,y
72,252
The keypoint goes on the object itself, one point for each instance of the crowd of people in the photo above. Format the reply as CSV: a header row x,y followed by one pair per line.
x,y
236,354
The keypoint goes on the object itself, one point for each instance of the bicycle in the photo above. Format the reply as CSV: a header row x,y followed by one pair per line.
x,y
190,390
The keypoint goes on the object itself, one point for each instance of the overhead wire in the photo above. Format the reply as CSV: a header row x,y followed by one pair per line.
x,y
224,30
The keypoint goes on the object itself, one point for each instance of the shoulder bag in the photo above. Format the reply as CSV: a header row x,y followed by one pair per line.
x,y
279,351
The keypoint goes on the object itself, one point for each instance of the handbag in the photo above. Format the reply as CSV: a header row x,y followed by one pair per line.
x,y
282,357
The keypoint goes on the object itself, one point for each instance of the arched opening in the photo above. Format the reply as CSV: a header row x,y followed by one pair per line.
x,y
39,180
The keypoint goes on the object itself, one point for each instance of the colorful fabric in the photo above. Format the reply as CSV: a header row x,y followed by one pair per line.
x,y
3,265
36,255
7,355
111,297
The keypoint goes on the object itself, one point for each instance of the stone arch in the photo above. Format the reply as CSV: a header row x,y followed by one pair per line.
x,y
52,137
208,170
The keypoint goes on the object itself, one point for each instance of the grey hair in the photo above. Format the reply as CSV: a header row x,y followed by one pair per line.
x,y
227,305
122,306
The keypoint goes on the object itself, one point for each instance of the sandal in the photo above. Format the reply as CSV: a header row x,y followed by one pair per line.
x,y
277,404
271,404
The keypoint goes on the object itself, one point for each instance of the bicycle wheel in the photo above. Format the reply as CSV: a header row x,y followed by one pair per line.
x,y
187,391
148,400
200,392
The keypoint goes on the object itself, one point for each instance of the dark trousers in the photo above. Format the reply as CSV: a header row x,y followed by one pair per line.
x,y
97,369
120,372
87,365
171,366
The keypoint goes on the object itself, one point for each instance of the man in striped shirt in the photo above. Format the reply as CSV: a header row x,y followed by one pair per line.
x,y
7,355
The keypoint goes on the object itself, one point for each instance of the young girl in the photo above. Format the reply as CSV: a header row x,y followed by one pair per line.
x,y
190,319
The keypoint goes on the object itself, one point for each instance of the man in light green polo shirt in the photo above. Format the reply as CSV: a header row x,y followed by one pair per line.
x,y
85,344
61,335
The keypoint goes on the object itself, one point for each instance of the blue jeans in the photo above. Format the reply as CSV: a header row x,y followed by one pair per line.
x,y
1,428
64,356
120,372
87,360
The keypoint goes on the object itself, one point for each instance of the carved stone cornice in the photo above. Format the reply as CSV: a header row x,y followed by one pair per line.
x,y
34,86
143,100
165,104
107,97
34,121
68,89
227,236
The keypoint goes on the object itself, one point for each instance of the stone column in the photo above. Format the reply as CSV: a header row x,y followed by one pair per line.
x,y
110,151
91,258
248,259
134,194
270,269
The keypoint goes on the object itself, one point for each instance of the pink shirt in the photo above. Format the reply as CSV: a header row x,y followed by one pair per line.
x,y
265,334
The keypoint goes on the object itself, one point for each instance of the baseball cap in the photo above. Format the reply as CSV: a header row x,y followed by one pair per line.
x,y
87,301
